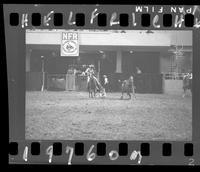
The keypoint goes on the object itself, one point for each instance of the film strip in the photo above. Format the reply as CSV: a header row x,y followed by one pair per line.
x,y
98,153
54,47
56,19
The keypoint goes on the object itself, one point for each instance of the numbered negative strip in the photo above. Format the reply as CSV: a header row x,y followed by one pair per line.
x,y
103,84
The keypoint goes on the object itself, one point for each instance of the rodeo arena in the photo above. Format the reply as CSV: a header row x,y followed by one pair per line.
x,y
108,85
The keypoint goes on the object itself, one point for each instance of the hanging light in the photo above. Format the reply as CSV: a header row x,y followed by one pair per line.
x,y
101,51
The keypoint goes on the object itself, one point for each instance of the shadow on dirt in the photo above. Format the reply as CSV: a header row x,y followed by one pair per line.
x,y
105,98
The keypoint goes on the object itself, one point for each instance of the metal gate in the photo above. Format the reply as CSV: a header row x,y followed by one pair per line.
x,y
56,82
61,82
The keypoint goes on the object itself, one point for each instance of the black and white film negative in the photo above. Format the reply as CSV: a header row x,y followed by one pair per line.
x,y
103,84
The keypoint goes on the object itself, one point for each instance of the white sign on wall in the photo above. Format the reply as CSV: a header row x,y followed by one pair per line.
x,y
69,44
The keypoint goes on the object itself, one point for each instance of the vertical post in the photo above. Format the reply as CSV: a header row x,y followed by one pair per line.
x,y
119,62
99,68
66,82
43,74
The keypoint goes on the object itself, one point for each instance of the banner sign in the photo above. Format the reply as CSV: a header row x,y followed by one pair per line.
x,y
69,44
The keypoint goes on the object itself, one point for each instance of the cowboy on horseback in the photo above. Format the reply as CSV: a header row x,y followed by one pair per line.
x,y
90,72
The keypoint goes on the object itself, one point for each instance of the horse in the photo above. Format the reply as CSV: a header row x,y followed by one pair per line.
x,y
128,87
187,84
92,87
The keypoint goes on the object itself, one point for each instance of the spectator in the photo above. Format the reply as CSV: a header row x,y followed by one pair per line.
x,y
105,82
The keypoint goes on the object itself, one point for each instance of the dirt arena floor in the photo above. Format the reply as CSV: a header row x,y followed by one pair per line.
x,y
72,115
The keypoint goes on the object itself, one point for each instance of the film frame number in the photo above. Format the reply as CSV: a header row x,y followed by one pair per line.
x,y
113,154
191,161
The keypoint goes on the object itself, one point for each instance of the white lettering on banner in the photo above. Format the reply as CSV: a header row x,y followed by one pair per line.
x,y
69,44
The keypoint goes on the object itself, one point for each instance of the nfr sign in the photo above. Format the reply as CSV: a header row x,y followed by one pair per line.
x,y
69,44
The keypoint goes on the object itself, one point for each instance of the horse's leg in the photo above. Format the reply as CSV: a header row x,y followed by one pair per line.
x,y
104,92
134,93
184,91
122,96
94,93
128,93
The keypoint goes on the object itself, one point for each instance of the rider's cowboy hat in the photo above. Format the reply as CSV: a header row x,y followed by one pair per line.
x,y
91,65
104,76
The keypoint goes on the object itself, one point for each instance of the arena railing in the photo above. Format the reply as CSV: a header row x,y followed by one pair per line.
x,y
173,76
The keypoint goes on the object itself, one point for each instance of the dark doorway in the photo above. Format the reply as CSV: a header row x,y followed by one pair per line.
x,y
148,62
150,80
